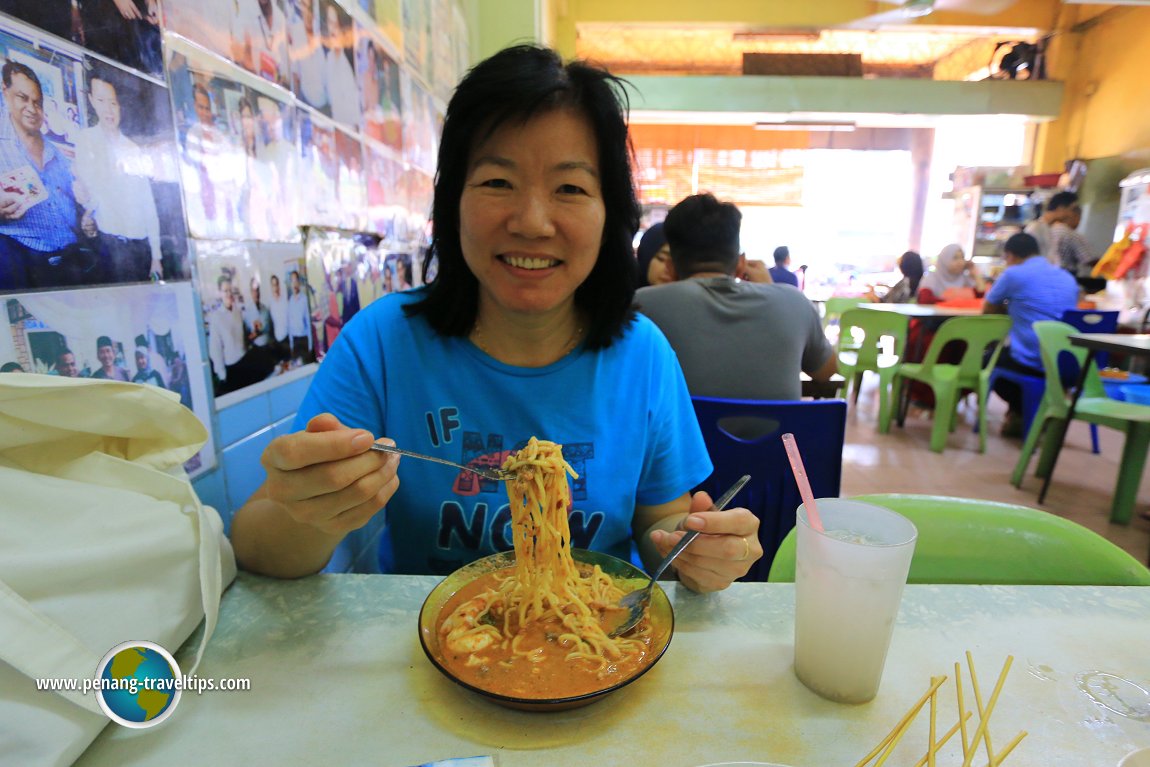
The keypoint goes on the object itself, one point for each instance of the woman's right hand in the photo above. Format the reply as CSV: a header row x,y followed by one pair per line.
x,y
328,477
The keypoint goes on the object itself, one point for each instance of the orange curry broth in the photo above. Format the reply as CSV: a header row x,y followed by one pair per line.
x,y
504,673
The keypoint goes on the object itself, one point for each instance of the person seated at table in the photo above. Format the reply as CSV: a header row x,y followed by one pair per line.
x,y
903,291
734,339
1029,289
526,330
953,277
653,257
781,272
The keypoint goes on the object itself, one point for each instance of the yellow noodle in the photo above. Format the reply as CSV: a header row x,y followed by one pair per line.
x,y
546,583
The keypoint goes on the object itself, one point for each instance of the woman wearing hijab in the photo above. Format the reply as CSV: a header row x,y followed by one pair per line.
x,y
952,277
654,257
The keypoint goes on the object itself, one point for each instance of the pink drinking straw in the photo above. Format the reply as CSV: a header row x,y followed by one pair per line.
x,y
802,481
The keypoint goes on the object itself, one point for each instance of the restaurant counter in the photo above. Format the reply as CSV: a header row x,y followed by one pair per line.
x,y
338,677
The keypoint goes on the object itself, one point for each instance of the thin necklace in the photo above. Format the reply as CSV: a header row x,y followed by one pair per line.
x,y
477,339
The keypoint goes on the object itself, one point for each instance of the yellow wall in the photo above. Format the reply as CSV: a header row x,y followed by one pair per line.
x,y
1106,103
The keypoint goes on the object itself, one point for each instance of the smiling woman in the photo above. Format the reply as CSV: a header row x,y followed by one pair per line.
x,y
531,222
526,328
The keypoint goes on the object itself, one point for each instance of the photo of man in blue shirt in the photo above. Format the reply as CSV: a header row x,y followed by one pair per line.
x,y
38,211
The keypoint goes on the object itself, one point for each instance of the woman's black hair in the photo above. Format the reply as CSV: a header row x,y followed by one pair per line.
x,y
910,264
649,244
515,85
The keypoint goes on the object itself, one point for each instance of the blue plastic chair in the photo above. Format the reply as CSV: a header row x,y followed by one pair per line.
x,y
819,427
1033,388
1092,321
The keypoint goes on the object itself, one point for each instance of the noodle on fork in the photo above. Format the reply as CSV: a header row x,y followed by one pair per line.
x,y
547,583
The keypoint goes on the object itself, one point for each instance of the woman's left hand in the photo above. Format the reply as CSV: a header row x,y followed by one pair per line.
x,y
725,550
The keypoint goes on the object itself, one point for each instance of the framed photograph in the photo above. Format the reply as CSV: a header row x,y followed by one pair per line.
x,y
420,132
339,66
379,80
139,333
319,170
346,268
259,39
127,32
389,20
128,182
416,19
238,150
307,54
351,186
251,33
443,71
212,162
257,310
104,205
386,204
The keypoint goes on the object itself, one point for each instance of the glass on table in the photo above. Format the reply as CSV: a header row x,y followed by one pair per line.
x,y
849,580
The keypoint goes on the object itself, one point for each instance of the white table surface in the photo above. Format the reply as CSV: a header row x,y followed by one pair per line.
x,y
338,678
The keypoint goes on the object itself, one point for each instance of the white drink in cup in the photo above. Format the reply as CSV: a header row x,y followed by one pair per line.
x,y
848,585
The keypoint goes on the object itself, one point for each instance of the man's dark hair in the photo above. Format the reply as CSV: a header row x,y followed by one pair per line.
x,y
1021,246
513,86
11,367
13,68
105,74
782,253
103,341
63,350
704,235
1062,200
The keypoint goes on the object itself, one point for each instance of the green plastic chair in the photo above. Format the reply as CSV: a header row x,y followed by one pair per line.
x,y
857,356
948,380
834,307
963,540
1093,407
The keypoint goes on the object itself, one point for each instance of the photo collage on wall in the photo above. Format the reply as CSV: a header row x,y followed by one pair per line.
x,y
143,334
90,194
224,129
351,270
359,133
94,266
257,307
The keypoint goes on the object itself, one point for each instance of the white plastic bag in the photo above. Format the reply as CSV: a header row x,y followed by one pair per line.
x,y
102,541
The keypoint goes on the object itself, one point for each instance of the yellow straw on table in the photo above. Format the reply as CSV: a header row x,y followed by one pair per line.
x,y
984,718
969,744
902,722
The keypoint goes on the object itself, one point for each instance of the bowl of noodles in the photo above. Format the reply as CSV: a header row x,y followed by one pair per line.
x,y
546,671
525,628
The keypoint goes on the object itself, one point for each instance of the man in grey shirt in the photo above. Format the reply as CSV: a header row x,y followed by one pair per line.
x,y
734,339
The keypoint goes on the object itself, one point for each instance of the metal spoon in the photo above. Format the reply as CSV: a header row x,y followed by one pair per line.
x,y
635,603
499,475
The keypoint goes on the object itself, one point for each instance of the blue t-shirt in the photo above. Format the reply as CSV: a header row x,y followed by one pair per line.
x,y
1032,290
622,414
783,276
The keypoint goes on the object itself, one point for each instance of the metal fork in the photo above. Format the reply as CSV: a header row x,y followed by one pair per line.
x,y
499,475
634,603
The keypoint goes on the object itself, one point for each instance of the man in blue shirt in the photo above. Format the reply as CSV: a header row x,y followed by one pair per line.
x,y
38,213
779,272
1029,290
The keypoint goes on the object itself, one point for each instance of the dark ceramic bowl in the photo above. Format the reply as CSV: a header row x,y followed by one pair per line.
x,y
662,619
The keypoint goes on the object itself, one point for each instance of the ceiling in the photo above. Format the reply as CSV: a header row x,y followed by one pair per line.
x,y
713,49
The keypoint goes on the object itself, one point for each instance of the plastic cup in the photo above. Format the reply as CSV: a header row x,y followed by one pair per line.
x,y
848,585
